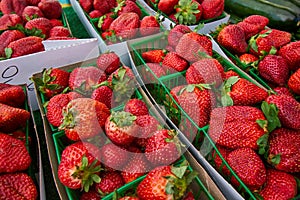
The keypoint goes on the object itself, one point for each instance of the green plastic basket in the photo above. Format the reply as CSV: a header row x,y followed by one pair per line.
x,y
161,89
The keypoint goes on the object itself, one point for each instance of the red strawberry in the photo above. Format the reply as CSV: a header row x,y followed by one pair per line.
x,y
294,82
126,6
259,20
121,128
212,8
161,148
108,62
126,25
87,5
248,58
154,56
20,135
136,107
12,95
103,6
230,73
129,198
260,44
274,69
95,14
289,110
14,155
31,12
79,167
40,23
12,118
232,37
239,91
59,31
61,38
279,185
150,70
236,126
113,156
149,25
53,82
26,45
33,2
84,118
278,38
90,195
291,54
283,90
147,126
17,186
104,95
192,46
167,6
13,6
207,70
110,181
284,151
56,22
9,20
248,166
219,163
56,105
105,21
196,100
83,78
50,8
253,24
176,33
173,61
7,37
188,12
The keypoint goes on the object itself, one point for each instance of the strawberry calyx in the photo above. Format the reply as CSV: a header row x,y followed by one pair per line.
x,y
8,53
274,159
69,115
44,83
28,32
253,39
218,30
122,118
271,113
185,12
226,100
191,87
103,83
87,173
121,4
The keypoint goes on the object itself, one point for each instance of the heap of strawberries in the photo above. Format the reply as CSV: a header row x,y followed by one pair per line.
x,y
25,24
119,20
256,132
15,159
271,52
189,12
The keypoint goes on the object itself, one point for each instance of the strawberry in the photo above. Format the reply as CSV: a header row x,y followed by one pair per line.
x,y
50,8
218,162
212,8
236,126
90,195
84,118
174,62
59,31
167,6
136,107
253,24
156,183
105,21
14,155
56,22
147,126
53,82
282,90
259,20
189,196
12,118
192,46
230,73
291,54
110,181
283,151
87,5
279,185
20,135
232,37
56,105
150,70
260,44
196,100
129,198
188,12
206,70
289,110
13,6
278,38
126,6
31,12
40,23
121,128
248,166
239,91
113,156
274,69
12,95
248,58
79,167
149,25
161,148
33,2
17,186
104,95
108,62
103,6
26,45
294,82
61,38
83,78
9,20
95,14
176,33
126,25
154,56
173,18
